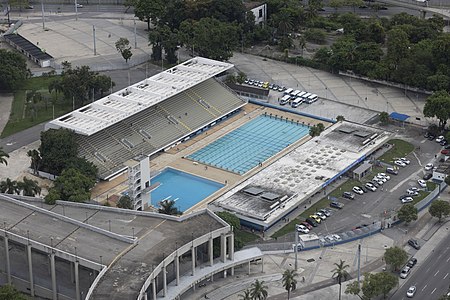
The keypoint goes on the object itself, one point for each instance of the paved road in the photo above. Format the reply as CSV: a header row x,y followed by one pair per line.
x,y
432,277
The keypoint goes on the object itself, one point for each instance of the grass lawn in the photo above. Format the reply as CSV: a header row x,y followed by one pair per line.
x,y
400,149
245,236
21,118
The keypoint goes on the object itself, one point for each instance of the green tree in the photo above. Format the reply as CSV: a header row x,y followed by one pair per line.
x,y
258,290
340,118
168,207
35,160
8,292
125,202
13,71
407,213
86,167
123,47
230,218
57,147
71,185
340,273
439,208
395,257
29,187
438,105
315,35
378,284
289,281
397,46
3,156
149,11
384,118
314,131
246,295
9,186
353,289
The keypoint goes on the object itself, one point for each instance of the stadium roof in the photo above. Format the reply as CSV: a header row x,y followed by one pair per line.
x,y
137,97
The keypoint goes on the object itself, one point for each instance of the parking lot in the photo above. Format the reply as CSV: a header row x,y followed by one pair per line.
x,y
371,206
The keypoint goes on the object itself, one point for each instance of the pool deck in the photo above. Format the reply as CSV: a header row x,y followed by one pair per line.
x,y
175,157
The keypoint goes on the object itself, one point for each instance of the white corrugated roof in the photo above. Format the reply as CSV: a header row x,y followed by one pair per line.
x,y
122,104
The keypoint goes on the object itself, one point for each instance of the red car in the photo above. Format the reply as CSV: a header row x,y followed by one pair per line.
x,y
445,151
307,225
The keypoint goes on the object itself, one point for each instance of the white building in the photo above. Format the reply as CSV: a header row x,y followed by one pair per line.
x,y
259,9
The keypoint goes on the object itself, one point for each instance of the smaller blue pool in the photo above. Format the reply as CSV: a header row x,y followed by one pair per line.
x,y
185,189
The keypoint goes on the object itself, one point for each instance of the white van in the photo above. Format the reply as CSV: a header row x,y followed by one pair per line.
x,y
296,102
313,98
294,94
302,93
288,91
305,96
285,99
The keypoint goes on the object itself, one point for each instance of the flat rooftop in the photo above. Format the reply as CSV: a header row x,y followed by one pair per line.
x,y
124,103
158,235
302,172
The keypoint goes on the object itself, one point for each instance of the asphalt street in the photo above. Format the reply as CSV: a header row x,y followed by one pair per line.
x,y
432,277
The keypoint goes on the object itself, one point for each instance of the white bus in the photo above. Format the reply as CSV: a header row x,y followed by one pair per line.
x,y
285,99
296,102
288,91
313,98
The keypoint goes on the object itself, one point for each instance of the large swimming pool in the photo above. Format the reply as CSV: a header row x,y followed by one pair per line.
x,y
185,189
252,143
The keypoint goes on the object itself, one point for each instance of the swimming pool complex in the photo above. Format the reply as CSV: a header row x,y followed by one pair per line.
x,y
185,189
252,143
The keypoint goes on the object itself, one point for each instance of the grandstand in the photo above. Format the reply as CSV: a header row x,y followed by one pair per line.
x,y
151,115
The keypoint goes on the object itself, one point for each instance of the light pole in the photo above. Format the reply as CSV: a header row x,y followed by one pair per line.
x,y
296,247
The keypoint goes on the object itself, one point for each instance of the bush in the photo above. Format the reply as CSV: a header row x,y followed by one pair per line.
x,y
315,35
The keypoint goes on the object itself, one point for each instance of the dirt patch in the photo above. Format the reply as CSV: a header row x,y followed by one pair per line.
x,y
6,100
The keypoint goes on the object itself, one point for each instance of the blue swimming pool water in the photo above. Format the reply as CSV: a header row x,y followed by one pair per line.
x,y
185,189
251,144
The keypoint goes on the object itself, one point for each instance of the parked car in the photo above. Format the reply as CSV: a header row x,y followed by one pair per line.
x,y
348,195
306,224
321,215
411,291
414,243
445,151
337,237
412,193
316,218
443,143
357,190
391,171
403,196
405,160
427,176
325,211
384,175
412,262
378,181
400,163
422,183
440,138
337,204
431,137
407,200
312,222
302,228
429,167
79,5
371,187
382,178
405,272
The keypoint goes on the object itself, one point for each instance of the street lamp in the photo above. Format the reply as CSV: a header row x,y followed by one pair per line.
x,y
296,246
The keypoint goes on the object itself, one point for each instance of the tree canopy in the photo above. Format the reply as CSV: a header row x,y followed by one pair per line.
x,y
123,47
72,185
438,106
125,202
8,292
407,213
395,257
13,71
439,209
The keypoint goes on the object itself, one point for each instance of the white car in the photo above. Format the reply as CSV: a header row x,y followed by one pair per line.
x,y
302,229
440,139
321,215
79,5
384,175
405,160
429,167
378,181
400,163
337,237
405,272
422,183
407,200
411,291
384,179
371,187
357,190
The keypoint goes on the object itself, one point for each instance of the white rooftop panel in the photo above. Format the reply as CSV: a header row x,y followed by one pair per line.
x,y
146,93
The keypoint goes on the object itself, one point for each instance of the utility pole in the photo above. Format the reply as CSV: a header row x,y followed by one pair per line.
x,y
76,10
135,39
296,247
359,265
95,48
43,18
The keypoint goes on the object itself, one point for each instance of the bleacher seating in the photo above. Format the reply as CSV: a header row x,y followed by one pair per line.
x,y
164,124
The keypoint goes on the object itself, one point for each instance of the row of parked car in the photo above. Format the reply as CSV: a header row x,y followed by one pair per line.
x,y
440,139
372,185
314,220
265,85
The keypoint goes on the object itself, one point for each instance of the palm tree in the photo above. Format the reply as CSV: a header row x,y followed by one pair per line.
x,y
246,295
167,207
289,281
3,156
258,290
340,273
29,187
9,186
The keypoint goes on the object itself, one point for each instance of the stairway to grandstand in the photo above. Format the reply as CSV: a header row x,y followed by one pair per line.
x,y
158,126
